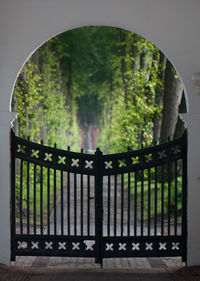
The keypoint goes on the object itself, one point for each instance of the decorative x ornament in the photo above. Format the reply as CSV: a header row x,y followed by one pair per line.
x,y
162,246
135,246
162,154
35,245
89,245
48,245
108,165
62,246
75,163
21,245
149,246
21,148
122,246
176,149
148,157
175,246
88,164
75,246
122,163
135,160
61,160
109,247
48,157
35,153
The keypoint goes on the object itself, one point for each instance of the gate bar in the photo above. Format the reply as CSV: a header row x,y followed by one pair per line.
x,y
98,205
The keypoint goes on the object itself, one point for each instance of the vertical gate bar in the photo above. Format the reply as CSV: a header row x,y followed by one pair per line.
x,y
34,200
28,197
108,207
21,197
13,184
156,199
88,209
98,205
68,204
149,201
175,198
48,201
62,203
55,199
122,204
162,200
41,199
184,198
55,207
135,206
115,207
169,197
129,207
81,209
75,204
142,203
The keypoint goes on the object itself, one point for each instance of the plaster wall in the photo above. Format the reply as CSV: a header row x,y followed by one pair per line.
x,y
173,26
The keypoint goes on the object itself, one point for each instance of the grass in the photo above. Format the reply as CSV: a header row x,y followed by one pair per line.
x,y
39,195
156,193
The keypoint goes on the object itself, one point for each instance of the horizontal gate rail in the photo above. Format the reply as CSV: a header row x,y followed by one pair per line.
x,y
145,158
54,158
55,245
130,204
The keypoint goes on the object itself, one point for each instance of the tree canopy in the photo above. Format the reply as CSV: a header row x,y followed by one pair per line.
x,y
104,76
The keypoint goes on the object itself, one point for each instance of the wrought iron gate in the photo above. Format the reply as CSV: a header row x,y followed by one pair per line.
x,y
131,204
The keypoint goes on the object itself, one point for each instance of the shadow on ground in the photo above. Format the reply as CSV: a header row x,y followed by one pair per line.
x,y
82,269
99,275
13,273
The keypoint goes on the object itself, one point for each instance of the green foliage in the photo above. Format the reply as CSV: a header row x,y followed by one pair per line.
x,y
40,99
128,119
27,99
168,203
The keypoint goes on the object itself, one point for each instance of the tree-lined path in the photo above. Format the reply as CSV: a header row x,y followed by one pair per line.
x,y
80,213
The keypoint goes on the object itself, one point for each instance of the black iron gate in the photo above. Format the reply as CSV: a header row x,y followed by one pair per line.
x,y
131,204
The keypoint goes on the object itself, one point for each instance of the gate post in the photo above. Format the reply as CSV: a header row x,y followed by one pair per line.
x,y
13,195
98,205
184,198
6,119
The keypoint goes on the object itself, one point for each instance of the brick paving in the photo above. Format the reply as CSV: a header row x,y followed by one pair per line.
x,y
84,269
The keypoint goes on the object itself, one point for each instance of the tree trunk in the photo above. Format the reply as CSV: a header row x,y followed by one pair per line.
x,y
69,85
180,128
145,62
25,89
122,36
159,95
135,54
171,101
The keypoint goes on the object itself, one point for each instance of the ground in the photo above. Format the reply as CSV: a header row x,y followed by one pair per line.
x,y
77,269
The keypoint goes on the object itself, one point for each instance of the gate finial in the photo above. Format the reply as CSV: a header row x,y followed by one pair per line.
x,y
98,150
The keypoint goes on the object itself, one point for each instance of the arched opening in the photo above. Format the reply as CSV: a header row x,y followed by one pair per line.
x,y
88,68
143,59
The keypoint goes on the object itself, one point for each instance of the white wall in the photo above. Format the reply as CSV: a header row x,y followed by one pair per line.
x,y
172,25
